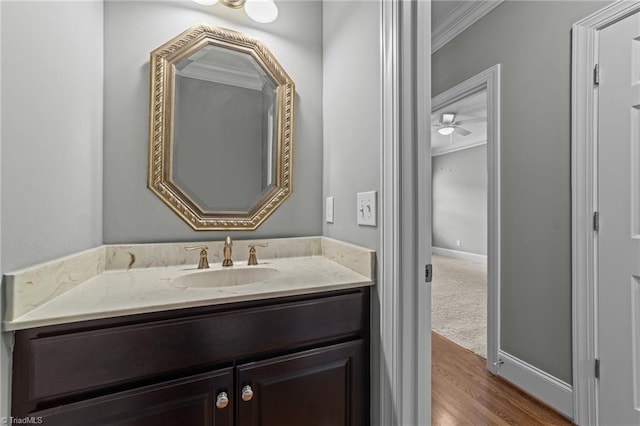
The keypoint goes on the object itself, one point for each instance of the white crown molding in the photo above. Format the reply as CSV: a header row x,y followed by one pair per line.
x,y
459,19
217,74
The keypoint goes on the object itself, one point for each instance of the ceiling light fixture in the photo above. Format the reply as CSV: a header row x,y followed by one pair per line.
x,y
263,11
447,130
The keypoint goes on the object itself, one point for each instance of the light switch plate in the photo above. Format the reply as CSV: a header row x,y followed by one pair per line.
x,y
329,210
367,208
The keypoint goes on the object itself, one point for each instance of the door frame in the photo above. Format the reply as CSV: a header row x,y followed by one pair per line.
x,y
584,203
405,299
488,80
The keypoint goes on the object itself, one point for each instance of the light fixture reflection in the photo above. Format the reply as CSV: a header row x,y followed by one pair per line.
x,y
446,130
263,11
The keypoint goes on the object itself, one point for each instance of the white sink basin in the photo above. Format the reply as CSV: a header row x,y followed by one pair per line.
x,y
226,277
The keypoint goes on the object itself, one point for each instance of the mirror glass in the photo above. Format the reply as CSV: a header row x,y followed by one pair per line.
x,y
221,129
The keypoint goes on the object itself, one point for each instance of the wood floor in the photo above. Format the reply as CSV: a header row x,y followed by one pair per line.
x,y
463,392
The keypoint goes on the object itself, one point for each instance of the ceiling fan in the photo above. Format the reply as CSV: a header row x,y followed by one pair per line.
x,y
447,124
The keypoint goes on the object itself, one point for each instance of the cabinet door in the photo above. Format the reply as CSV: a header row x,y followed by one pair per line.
x,y
187,401
320,387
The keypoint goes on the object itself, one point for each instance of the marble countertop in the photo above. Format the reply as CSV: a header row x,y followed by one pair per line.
x,y
317,264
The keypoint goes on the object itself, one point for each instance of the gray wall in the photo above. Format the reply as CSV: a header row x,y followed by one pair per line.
x,y
351,98
50,138
459,200
351,112
531,39
132,213
52,130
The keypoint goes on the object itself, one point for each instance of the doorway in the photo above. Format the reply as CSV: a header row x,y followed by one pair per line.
x,y
459,222
466,201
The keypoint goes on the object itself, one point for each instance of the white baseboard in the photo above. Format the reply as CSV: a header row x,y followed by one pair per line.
x,y
464,255
542,385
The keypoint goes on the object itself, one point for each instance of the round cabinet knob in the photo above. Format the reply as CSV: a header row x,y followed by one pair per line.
x,y
247,393
222,400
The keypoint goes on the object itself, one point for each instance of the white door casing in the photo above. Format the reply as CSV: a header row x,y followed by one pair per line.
x,y
618,234
405,298
584,156
489,80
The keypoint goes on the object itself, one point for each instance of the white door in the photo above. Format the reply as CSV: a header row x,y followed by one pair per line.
x,y
618,244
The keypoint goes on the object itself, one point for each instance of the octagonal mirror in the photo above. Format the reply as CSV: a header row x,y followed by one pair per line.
x,y
220,132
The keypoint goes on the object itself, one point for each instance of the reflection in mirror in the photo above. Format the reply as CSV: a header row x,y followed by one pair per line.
x,y
220,129
223,131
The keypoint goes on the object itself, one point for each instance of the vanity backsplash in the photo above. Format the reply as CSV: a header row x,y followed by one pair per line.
x,y
173,254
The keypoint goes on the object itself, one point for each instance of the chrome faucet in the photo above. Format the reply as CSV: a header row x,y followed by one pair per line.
x,y
227,252
204,262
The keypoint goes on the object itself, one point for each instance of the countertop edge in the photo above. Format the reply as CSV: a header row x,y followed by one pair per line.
x,y
16,325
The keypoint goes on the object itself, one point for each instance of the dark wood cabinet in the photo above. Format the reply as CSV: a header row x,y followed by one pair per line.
x,y
322,387
187,401
300,360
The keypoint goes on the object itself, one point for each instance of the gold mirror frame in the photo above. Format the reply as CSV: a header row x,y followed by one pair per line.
x,y
163,61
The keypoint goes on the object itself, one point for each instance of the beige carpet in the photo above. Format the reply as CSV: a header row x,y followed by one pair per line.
x,y
459,302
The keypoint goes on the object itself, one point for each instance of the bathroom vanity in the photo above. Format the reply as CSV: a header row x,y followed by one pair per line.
x,y
296,360
292,357
137,334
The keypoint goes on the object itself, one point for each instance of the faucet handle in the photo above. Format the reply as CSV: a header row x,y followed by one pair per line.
x,y
204,261
253,260
190,248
